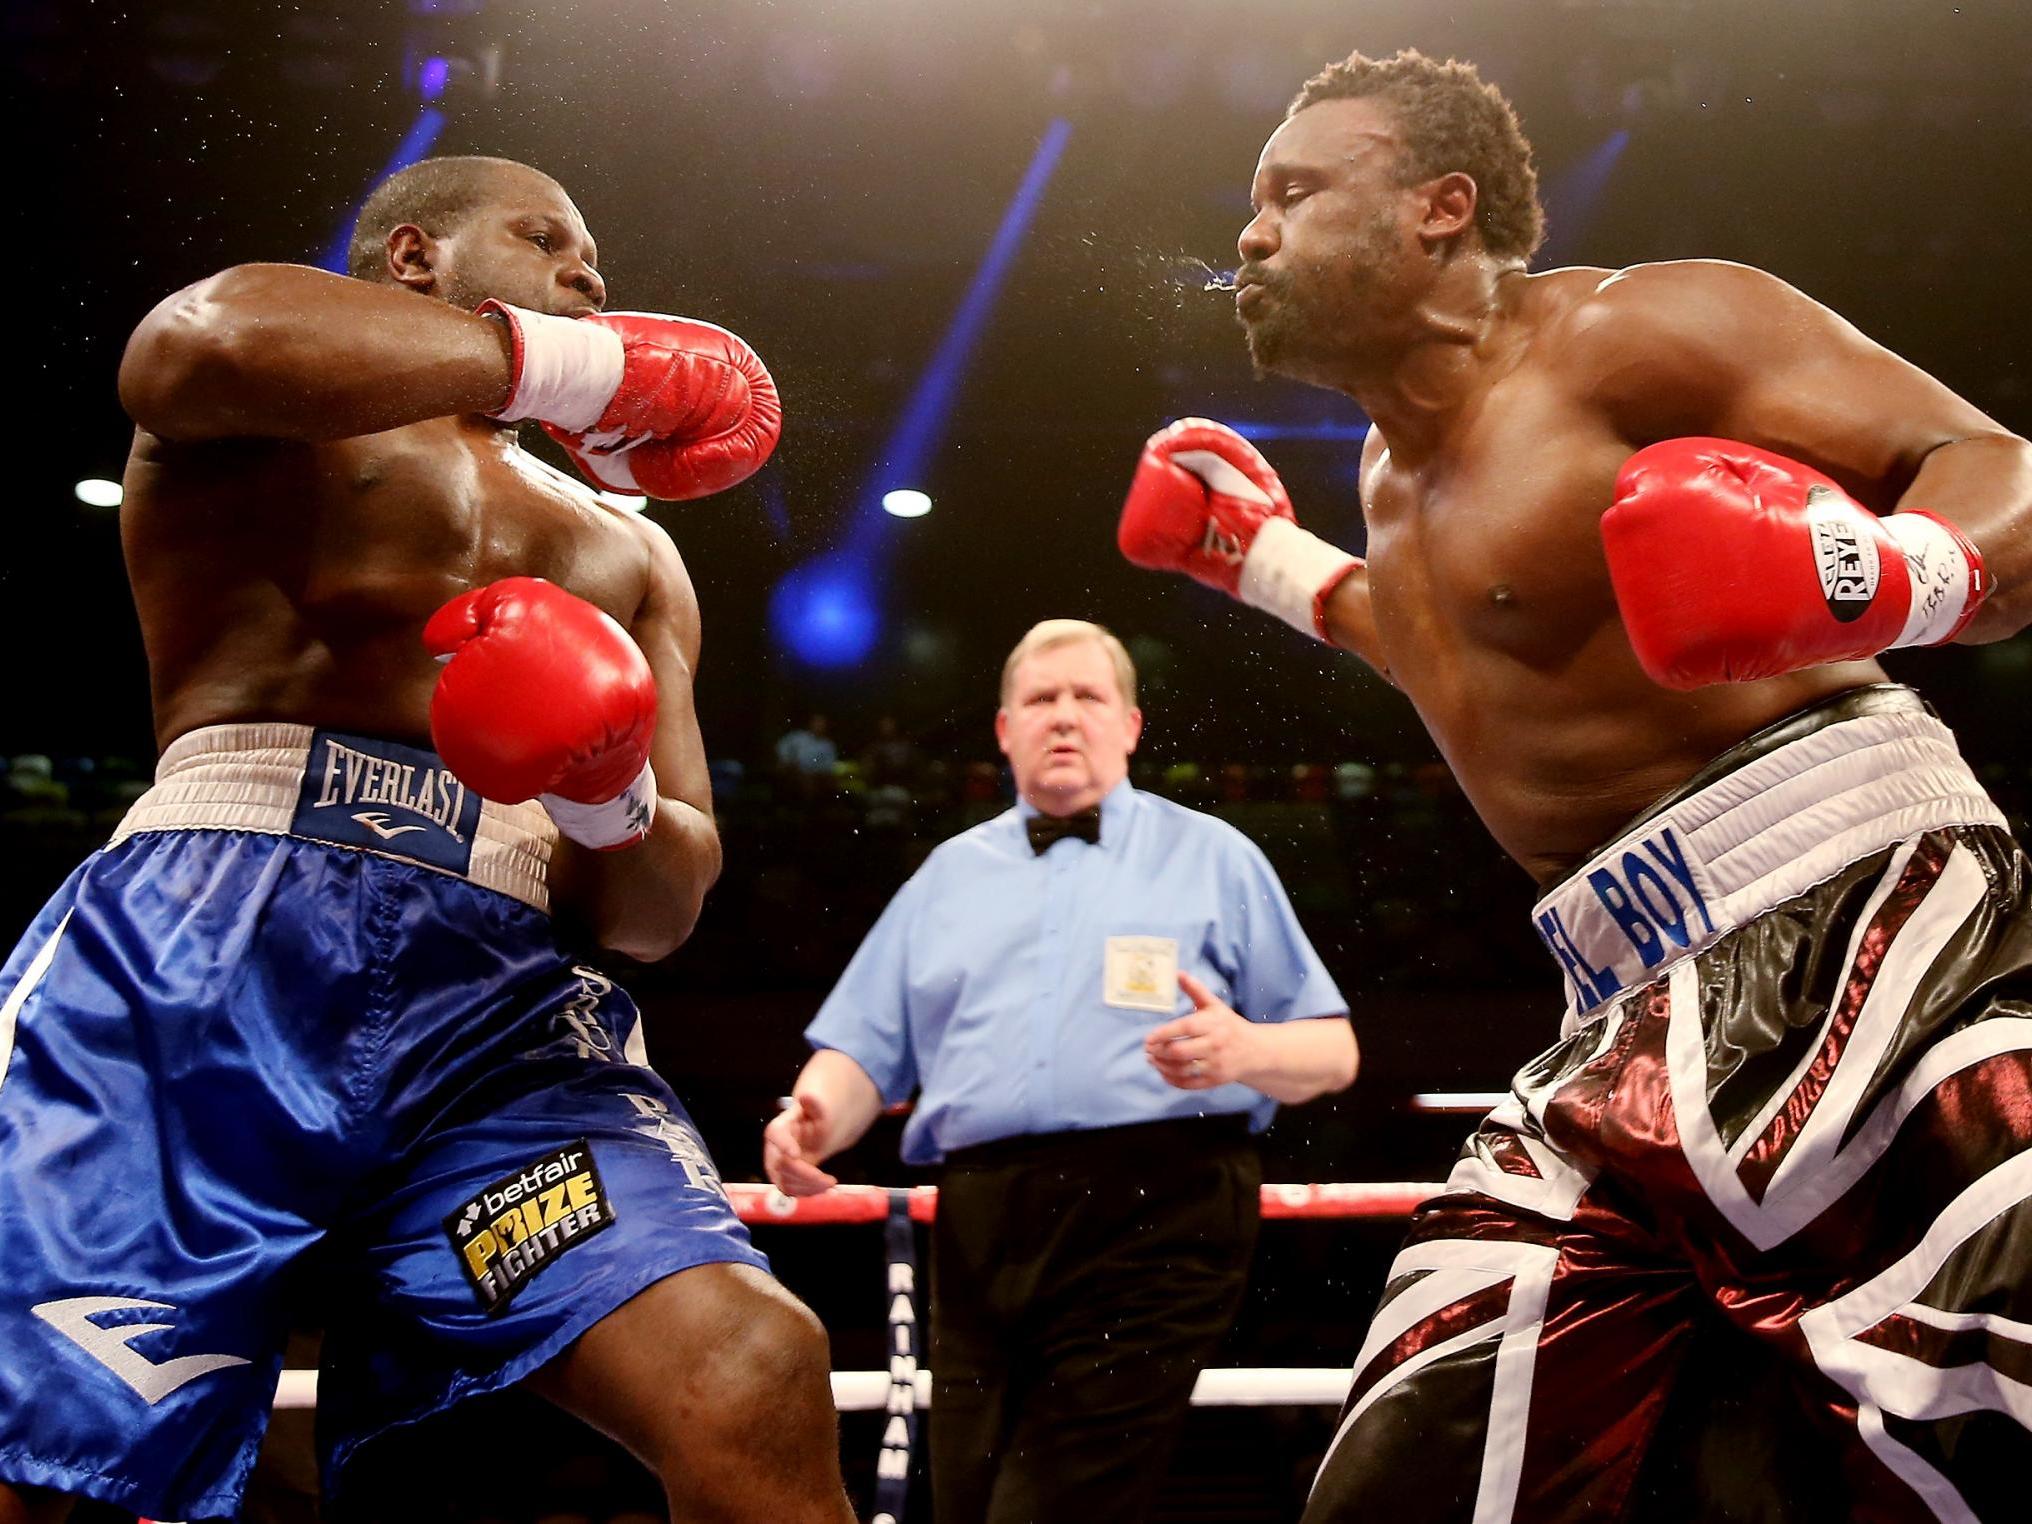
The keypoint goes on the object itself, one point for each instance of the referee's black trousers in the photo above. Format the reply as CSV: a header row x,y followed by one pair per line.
x,y
1079,1283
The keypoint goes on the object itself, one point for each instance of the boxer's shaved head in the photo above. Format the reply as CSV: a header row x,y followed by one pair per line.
x,y
1451,121
437,195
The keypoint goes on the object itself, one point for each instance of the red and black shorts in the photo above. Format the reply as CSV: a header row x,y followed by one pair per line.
x,y
1795,1095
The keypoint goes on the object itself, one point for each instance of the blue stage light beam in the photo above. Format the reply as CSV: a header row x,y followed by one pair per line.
x,y
921,427
1572,196
415,145
1325,431
825,611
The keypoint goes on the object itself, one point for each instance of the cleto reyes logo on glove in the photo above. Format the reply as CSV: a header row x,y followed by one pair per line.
x,y
1844,554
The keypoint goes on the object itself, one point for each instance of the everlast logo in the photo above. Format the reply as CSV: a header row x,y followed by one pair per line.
x,y
356,777
524,1221
1843,554
398,800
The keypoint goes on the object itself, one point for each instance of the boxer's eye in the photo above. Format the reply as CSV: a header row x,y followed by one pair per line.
x,y
541,240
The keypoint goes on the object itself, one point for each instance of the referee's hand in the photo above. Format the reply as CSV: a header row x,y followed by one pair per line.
x,y
791,1145
1214,1045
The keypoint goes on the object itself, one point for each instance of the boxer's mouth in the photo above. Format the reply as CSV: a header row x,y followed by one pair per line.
x,y
1250,295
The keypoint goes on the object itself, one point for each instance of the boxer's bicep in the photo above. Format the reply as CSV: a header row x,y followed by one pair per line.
x,y
1722,350
667,628
1927,448
264,351
1348,617
645,901
1821,392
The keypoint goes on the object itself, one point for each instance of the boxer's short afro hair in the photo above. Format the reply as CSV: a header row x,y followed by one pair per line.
x,y
435,194
1451,121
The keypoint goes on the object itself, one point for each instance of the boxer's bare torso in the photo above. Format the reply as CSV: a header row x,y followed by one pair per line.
x,y
282,580
1504,404
1493,612
313,475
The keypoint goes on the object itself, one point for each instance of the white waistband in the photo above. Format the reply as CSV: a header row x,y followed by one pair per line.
x,y
1756,837
263,778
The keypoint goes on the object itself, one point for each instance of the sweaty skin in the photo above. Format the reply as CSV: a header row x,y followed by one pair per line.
x,y
311,477
1504,404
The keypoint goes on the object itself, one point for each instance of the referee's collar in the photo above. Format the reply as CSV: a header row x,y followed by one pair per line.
x,y
1116,804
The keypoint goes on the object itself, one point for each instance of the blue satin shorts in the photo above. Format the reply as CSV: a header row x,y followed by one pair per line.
x,y
221,1050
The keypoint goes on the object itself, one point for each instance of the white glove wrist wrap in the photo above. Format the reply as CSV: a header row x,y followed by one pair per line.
x,y
567,371
619,822
1286,570
1939,568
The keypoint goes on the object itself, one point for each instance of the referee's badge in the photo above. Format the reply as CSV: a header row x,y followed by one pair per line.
x,y
1141,974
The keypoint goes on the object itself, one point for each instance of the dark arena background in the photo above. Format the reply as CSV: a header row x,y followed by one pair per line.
x,y
973,241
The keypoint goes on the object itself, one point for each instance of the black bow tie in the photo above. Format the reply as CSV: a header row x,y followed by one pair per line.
x,y
1045,829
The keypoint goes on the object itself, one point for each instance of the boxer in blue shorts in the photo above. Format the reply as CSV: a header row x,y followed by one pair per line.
x,y
312,993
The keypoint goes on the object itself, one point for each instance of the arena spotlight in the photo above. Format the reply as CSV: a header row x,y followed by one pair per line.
x,y
906,503
432,78
824,613
919,431
97,492
1573,194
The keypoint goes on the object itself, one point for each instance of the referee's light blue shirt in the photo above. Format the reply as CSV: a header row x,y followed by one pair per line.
x,y
983,982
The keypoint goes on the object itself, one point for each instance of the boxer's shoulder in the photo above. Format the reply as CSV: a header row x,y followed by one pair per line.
x,y
1603,316
1657,347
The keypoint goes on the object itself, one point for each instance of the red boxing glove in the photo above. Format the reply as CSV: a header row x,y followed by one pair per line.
x,y
543,696
1204,502
668,406
1731,563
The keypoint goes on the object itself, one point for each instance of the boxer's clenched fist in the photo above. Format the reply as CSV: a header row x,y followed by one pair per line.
x,y
545,697
669,406
1206,503
1732,563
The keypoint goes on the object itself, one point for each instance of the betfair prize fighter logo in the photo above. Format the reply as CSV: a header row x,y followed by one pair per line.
x,y
524,1221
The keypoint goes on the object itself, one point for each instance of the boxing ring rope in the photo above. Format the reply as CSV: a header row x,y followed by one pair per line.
x,y
1241,1386
1289,1386
870,1203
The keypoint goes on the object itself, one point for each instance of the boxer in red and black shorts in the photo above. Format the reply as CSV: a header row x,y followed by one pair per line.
x,y
1804,1110
1634,541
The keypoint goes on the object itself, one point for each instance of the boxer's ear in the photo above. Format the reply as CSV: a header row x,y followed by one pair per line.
x,y
411,258
1448,208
